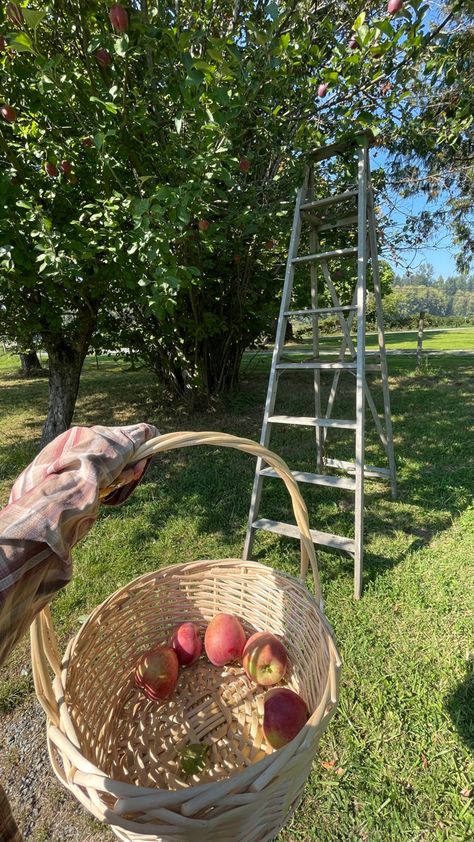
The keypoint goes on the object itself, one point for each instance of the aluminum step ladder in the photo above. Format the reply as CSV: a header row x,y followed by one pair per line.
x,y
356,214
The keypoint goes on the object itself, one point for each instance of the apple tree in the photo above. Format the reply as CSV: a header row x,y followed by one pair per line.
x,y
149,159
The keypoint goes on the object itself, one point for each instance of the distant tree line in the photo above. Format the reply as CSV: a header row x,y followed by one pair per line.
x,y
419,291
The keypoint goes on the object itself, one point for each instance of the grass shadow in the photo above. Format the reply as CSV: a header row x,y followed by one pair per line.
x,y
460,706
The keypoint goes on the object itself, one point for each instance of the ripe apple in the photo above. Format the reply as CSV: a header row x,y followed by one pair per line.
x,y
244,165
186,642
264,659
50,170
102,57
322,89
8,113
15,14
269,244
394,6
203,224
156,672
284,715
353,44
87,141
66,167
224,639
118,17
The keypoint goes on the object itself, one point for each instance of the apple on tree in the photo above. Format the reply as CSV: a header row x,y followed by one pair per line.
x,y
8,113
118,17
244,165
102,57
66,167
394,6
203,224
51,170
322,89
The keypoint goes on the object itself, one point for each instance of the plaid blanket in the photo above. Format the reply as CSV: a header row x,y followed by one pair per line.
x,y
53,504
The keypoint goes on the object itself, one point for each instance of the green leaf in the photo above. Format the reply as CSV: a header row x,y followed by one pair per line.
x,y
33,17
178,121
121,45
194,758
358,21
109,106
22,43
272,11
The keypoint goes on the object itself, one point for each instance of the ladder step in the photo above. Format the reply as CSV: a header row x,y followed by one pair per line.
x,y
322,311
334,366
315,479
330,200
323,225
308,421
369,470
325,255
326,539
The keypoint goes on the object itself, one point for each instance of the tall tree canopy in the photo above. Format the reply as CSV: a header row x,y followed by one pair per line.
x,y
149,155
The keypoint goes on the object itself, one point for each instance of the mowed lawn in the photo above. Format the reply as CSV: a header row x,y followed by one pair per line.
x,y
396,762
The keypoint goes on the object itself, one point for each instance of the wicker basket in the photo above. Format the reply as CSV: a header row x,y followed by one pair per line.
x,y
117,752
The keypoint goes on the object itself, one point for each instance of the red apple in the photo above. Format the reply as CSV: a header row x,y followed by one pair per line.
x,y
322,89
87,141
186,642
66,167
118,17
264,659
102,57
244,165
353,44
203,224
8,113
156,672
284,715
15,14
3,44
50,170
224,639
394,6
237,258
269,244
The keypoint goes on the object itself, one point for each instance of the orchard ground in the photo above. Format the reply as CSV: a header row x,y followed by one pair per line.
x,y
396,762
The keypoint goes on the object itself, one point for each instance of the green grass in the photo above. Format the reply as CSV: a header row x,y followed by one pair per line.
x,y
434,339
396,762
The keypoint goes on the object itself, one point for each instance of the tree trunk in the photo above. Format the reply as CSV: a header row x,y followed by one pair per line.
x,y
66,359
30,364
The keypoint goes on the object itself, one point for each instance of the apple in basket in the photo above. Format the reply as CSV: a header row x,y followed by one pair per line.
x,y
224,639
284,715
264,659
156,672
186,642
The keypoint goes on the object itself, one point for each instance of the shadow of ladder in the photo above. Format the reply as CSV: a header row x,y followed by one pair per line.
x,y
311,212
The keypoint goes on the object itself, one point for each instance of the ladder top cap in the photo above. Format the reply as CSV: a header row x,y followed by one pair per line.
x,y
346,144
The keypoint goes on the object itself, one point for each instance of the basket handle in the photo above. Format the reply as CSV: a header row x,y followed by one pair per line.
x,y
171,441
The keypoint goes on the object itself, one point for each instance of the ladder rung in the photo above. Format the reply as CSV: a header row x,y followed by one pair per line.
x,y
369,470
315,479
346,308
337,223
326,539
330,200
308,421
335,366
325,255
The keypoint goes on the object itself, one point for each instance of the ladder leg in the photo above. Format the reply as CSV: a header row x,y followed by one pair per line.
x,y
381,341
273,379
313,243
360,371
